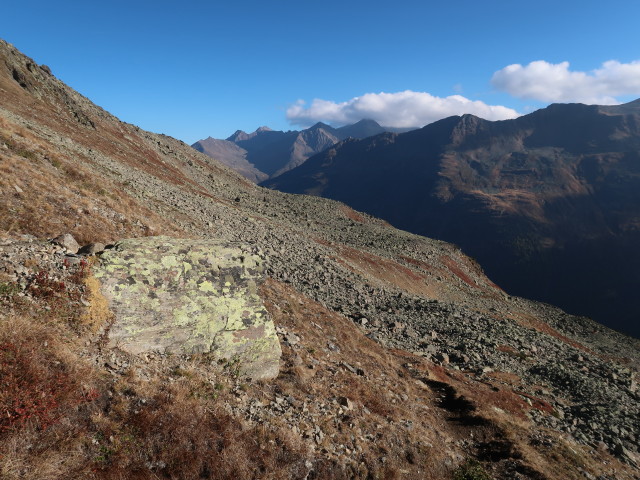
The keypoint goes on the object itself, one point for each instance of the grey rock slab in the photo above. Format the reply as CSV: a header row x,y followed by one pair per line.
x,y
187,297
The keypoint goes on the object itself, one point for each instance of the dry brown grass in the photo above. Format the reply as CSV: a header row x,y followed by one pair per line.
x,y
380,269
379,412
97,314
351,214
46,394
527,320
60,421
56,194
177,435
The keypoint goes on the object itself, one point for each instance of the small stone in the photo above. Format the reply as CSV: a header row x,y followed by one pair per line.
x,y
91,249
346,403
430,349
397,326
72,259
442,357
66,241
348,367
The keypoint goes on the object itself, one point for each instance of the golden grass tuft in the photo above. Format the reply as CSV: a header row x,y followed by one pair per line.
x,y
97,314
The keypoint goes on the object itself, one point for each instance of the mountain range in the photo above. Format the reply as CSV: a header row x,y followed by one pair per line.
x,y
390,355
267,153
548,203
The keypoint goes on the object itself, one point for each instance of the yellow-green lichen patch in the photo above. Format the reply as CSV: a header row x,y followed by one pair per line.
x,y
189,296
207,286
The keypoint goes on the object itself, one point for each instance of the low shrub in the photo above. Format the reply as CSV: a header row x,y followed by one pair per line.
x,y
36,387
471,470
9,289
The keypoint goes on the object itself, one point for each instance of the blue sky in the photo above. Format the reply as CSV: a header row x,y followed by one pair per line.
x,y
192,69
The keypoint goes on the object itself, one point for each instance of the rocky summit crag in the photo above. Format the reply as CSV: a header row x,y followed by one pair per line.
x,y
400,358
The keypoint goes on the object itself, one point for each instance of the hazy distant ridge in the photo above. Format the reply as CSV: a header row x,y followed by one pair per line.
x,y
268,153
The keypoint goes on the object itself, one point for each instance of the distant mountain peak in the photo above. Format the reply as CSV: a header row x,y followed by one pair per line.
x,y
362,129
238,135
320,125
367,121
241,135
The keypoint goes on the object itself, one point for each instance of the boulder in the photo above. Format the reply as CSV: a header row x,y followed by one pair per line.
x,y
92,249
183,296
66,241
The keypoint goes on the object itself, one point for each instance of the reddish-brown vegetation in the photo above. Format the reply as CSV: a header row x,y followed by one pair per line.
x,y
457,271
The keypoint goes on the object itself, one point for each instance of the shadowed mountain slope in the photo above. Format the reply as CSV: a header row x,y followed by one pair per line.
x,y
400,358
549,203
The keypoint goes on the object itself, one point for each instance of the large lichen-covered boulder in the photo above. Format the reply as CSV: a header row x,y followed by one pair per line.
x,y
189,296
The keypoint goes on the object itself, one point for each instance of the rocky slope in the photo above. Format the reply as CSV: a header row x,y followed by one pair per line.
x,y
400,358
231,155
553,194
266,153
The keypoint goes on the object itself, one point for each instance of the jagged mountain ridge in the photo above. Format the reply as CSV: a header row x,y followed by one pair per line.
x,y
393,344
267,153
554,194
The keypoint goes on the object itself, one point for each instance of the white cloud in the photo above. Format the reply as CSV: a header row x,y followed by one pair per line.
x,y
401,109
550,82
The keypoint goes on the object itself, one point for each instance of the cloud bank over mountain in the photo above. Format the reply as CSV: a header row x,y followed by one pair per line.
x,y
539,80
549,82
400,109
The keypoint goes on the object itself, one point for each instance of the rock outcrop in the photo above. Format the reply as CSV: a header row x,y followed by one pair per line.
x,y
189,296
